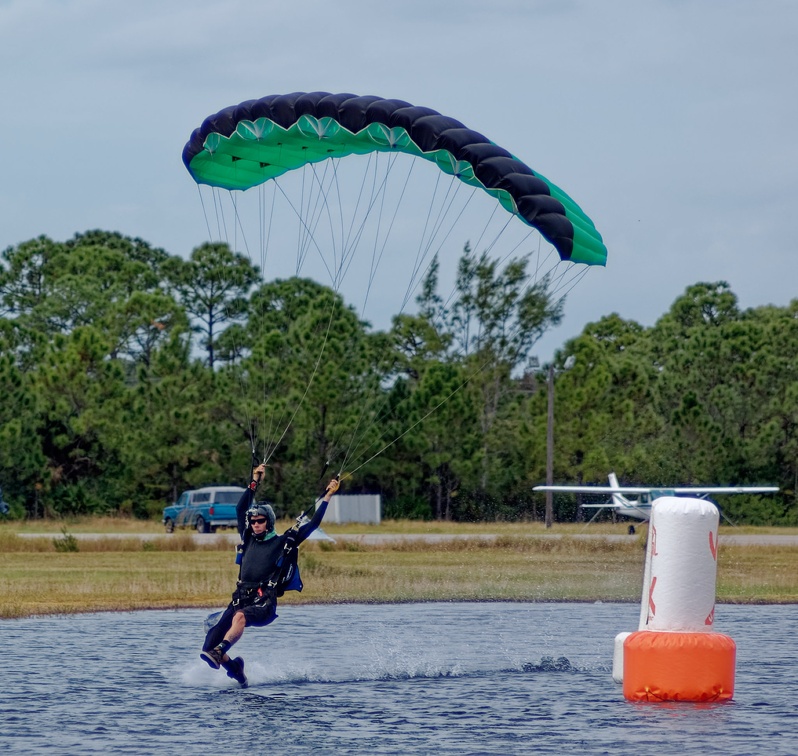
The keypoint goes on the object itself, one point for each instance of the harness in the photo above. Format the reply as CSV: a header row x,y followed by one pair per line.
x,y
284,577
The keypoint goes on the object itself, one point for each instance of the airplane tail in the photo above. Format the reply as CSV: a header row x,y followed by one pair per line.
x,y
618,499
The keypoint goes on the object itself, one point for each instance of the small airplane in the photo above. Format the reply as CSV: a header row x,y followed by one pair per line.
x,y
640,508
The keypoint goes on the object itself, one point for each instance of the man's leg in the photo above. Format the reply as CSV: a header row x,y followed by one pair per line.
x,y
234,667
221,636
233,635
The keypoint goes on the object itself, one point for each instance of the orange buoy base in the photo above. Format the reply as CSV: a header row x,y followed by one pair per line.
x,y
677,666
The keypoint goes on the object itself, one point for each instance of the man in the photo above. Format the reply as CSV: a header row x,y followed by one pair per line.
x,y
264,559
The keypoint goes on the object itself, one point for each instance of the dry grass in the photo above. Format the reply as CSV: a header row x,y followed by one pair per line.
x,y
758,574
52,582
131,573
108,524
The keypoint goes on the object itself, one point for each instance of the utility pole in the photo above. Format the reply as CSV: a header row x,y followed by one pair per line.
x,y
550,449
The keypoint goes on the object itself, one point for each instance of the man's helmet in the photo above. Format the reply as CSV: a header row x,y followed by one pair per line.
x,y
262,509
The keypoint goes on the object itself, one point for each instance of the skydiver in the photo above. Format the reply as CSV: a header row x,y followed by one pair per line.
x,y
262,557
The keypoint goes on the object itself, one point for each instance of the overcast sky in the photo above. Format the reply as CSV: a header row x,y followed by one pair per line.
x,y
673,123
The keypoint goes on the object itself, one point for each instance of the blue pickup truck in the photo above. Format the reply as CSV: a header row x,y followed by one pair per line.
x,y
204,509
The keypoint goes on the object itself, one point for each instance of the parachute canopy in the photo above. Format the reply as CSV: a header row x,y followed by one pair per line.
x,y
248,144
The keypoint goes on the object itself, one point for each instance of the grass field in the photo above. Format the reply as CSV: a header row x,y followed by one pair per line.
x,y
42,575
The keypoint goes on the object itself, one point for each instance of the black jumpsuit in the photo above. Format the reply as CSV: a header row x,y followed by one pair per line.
x,y
259,563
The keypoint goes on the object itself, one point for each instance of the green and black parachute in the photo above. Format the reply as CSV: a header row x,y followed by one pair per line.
x,y
248,144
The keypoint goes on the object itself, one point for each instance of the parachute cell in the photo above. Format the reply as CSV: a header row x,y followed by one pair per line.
x,y
248,144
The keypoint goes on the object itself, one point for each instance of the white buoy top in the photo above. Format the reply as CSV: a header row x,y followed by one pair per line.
x,y
682,565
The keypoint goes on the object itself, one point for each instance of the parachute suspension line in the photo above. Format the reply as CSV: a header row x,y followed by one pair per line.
x,y
316,196
495,241
357,435
569,283
345,234
377,192
425,247
500,263
376,200
303,223
310,381
444,210
238,225
312,205
301,230
574,281
566,268
376,257
249,415
513,332
220,218
204,211
310,219
434,409
323,206
219,211
323,189
498,236
487,225
350,240
416,263
320,188
265,229
248,420
348,243
236,222
306,237
443,401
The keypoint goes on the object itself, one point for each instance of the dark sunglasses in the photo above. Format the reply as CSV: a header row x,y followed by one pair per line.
x,y
257,520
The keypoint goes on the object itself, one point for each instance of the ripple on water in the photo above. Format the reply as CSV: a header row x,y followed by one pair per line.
x,y
431,678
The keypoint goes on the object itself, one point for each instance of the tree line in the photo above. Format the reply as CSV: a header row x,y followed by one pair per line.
x,y
128,375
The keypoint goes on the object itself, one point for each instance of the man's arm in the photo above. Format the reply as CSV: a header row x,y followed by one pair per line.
x,y
247,497
305,530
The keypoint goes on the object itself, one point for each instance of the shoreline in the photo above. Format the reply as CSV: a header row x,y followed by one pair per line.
x,y
374,602
47,574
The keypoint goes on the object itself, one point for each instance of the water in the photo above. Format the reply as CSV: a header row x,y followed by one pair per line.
x,y
460,678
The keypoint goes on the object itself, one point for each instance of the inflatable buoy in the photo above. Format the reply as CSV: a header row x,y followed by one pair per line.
x,y
675,655
678,666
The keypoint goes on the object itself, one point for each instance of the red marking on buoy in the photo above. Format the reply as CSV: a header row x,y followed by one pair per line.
x,y
653,541
713,546
710,617
651,606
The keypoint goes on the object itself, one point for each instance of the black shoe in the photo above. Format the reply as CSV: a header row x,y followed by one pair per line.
x,y
235,669
213,657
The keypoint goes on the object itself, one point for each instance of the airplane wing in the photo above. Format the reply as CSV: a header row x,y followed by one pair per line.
x,y
650,489
597,489
726,489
